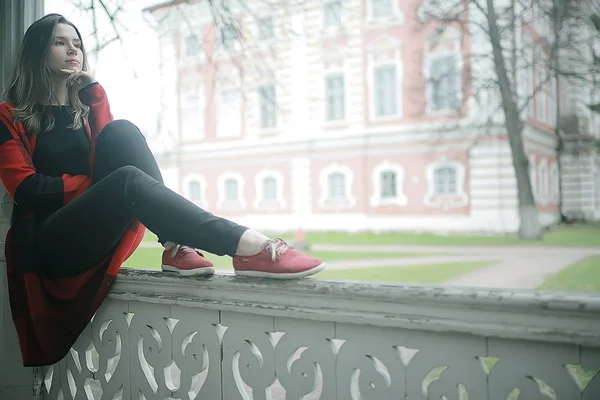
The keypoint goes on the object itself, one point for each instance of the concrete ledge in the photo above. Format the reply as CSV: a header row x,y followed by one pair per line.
x,y
517,314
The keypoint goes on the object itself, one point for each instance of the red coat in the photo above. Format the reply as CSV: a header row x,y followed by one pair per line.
x,y
49,314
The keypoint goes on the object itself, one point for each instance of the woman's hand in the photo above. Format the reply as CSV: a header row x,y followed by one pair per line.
x,y
78,79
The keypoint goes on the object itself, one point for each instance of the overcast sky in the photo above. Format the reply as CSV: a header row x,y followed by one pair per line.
x,y
135,99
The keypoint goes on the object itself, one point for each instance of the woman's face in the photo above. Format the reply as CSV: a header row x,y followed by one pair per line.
x,y
65,50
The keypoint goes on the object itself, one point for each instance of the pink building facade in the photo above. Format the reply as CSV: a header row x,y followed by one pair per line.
x,y
347,115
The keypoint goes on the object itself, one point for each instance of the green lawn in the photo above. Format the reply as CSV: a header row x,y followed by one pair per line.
x,y
586,235
145,257
583,276
573,235
422,274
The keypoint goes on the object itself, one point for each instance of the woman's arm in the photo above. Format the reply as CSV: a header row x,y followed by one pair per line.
x,y
28,188
94,96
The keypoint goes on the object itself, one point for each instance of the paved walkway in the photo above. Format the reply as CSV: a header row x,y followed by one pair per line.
x,y
519,267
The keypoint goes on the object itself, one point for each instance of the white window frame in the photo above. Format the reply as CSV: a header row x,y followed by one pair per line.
x,y
396,15
384,44
554,177
327,203
428,57
222,203
459,200
187,193
334,72
376,199
259,201
544,181
219,105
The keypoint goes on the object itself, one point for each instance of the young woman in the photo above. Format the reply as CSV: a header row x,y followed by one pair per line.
x,y
84,189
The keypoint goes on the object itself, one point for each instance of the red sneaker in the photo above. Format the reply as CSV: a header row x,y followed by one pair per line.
x,y
277,260
186,261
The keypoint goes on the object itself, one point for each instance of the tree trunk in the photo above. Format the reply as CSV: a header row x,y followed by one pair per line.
x,y
529,227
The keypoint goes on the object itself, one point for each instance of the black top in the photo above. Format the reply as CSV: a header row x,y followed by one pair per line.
x,y
57,152
62,150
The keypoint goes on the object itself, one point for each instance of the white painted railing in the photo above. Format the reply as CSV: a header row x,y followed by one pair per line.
x,y
160,336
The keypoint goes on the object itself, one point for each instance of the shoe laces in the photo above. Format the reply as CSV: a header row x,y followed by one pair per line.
x,y
182,249
276,247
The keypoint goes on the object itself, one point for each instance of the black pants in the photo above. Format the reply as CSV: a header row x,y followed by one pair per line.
x,y
126,184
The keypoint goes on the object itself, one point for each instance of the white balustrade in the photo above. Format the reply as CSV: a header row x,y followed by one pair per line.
x,y
163,337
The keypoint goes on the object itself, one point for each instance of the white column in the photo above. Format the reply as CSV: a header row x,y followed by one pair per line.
x,y
16,381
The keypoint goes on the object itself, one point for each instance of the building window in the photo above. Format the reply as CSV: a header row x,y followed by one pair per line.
x,y
554,182
388,184
442,70
435,8
444,183
192,46
386,90
541,88
269,186
195,190
543,180
332,13
530,89
533,176
335,97
229,113
444,83
229,35
192,112
388,180
269,190
540,18
336,186
553,101
381,8
268,106
529,78
266,28
231,189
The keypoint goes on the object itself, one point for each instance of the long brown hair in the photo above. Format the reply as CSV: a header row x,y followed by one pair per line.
x,y
30,88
